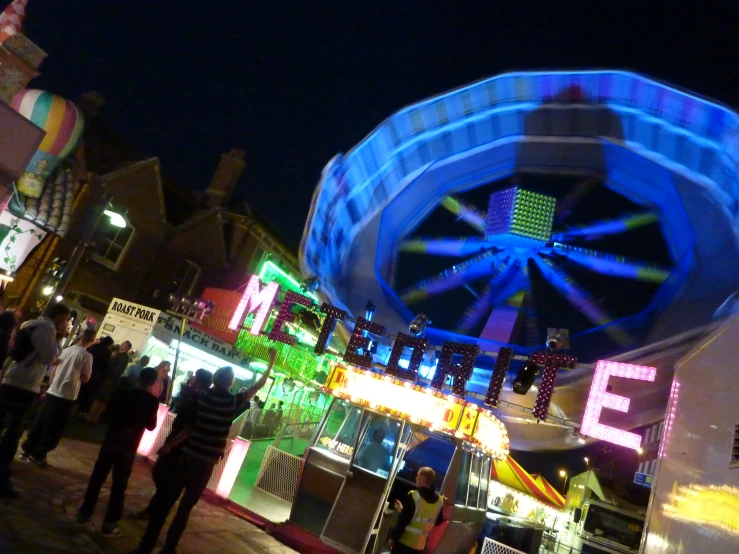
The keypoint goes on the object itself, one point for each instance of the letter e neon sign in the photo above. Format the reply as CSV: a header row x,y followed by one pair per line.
x,y
255,298
599,398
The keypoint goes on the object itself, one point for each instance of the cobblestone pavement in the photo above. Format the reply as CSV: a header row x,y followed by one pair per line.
x,y
43,519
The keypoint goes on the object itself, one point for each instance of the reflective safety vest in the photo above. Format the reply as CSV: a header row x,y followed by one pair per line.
x,y
423,522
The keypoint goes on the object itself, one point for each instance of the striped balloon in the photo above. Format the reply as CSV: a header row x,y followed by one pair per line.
x,y
63,124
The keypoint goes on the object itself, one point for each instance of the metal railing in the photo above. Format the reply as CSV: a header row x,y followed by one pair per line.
x,y
556,547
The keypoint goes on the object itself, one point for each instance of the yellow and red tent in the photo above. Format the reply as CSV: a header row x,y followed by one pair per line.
x,y
512,475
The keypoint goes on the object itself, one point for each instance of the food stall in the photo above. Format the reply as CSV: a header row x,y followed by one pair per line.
x,y
524,510
128,321
365,454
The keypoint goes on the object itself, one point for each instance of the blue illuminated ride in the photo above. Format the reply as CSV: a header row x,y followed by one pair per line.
x,y
603,202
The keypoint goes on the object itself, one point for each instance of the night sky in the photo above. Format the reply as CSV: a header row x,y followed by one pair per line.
x,y
293,83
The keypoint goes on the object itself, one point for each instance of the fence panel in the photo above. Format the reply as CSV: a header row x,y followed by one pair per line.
x,y
493,547
279,474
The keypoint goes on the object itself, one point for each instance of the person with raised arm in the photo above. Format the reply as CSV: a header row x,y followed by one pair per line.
x,y
205,441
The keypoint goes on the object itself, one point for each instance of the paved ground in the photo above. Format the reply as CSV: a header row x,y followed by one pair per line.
x,y
42,520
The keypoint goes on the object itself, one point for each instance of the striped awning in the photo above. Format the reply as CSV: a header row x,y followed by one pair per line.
x,y
557,499
512,475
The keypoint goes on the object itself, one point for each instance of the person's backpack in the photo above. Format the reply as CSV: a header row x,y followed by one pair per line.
x,y
23,345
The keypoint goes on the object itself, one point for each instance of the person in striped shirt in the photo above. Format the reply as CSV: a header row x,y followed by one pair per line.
x,y
205,441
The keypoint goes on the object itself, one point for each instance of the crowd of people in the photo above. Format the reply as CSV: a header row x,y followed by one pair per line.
x,y
260,423
96,378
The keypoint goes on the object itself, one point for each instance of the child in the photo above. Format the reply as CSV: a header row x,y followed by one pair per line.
x,y
130,412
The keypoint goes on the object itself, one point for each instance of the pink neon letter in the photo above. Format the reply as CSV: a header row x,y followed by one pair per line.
x,y
252,299
599,398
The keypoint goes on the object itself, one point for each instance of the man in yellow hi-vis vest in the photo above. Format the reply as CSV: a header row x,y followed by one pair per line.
x,y
421,511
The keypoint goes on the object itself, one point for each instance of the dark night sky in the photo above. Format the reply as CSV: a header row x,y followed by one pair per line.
x,y
293,83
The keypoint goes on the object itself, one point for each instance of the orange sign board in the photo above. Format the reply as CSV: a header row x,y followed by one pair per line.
x,y
452,414
336,378
216,323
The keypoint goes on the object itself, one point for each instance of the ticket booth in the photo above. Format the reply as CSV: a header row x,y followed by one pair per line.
x,y
128,321
371,443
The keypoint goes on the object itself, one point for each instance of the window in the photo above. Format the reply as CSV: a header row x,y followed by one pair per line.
x,y
463,478
340,429
613,526
258,258
427,450
187,278
111,244
735,448
377,445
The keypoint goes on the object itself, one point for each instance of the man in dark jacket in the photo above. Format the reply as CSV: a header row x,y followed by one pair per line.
x,y
421,511
7,326
100,359
132,411
186,409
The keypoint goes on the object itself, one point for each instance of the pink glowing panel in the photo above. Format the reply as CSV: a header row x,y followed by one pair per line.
x,y
150,437
255,298
599,398
670,419
239,448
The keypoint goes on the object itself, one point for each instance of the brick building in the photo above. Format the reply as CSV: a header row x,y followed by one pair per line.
x,y
176,240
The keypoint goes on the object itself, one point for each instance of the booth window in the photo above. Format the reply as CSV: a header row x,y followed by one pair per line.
x,y
482,501
463,478
475,478
111,244
377,444
340,430
427,449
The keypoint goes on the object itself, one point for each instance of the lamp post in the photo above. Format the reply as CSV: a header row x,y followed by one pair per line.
x,y
563,473
102,210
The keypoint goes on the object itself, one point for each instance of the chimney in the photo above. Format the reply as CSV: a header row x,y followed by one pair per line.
x,y
225,178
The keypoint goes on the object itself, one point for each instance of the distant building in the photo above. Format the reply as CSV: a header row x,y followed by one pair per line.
x,y
176,241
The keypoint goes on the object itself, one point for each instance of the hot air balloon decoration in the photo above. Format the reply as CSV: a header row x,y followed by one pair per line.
x,y
63,124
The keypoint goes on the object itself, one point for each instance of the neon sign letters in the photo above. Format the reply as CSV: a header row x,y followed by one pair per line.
x,y
255,298
456,360
599,398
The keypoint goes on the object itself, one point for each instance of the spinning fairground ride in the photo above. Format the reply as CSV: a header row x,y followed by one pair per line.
x,y
603,203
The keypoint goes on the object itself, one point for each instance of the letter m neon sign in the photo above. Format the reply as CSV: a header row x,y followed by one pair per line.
x,y
255,299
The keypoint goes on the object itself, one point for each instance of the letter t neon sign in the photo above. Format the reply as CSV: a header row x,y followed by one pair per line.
x,y
255,299
599,398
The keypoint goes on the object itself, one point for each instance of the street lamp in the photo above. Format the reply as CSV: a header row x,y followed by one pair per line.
x,y
116,219
103,209
565,476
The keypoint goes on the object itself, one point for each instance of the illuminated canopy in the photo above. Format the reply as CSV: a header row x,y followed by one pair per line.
x,y
424,406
